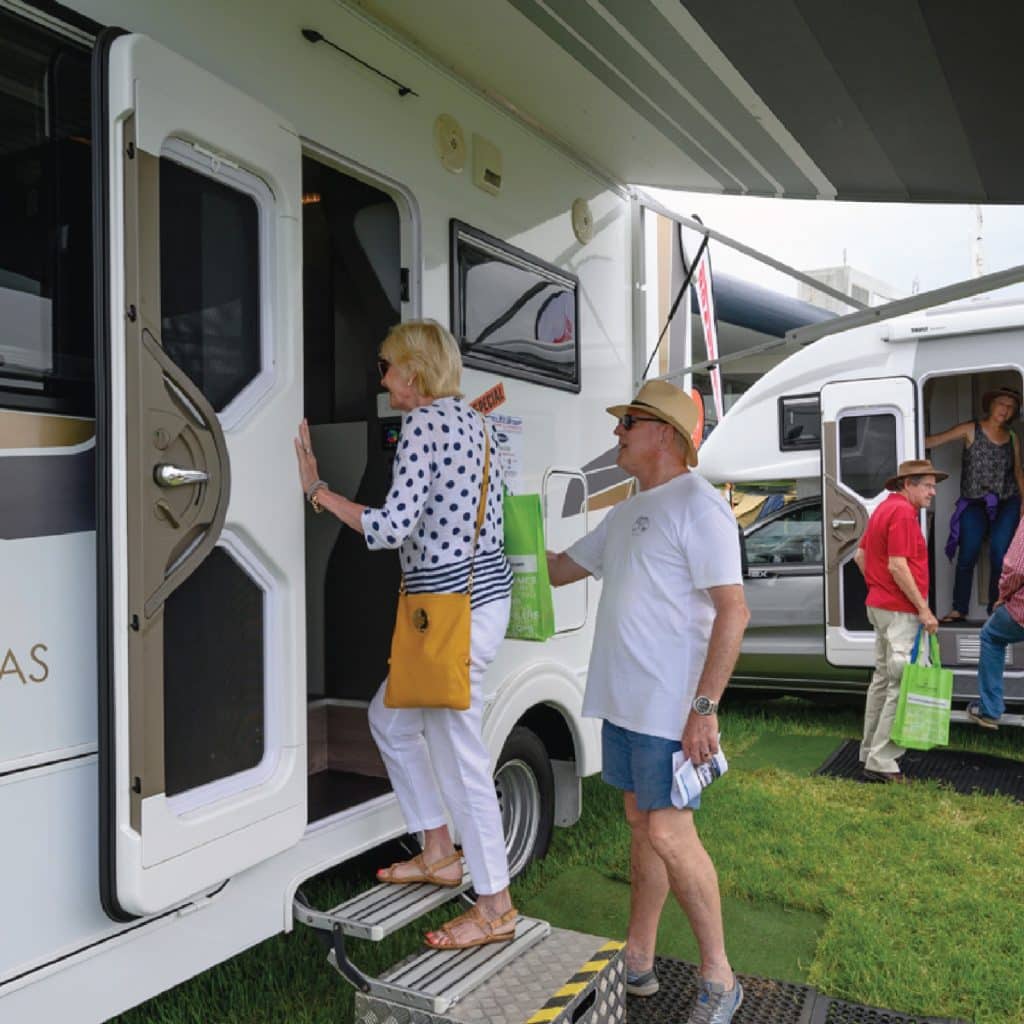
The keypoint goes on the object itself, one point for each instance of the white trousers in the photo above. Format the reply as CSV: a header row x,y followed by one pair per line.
x,y
436,758
894,638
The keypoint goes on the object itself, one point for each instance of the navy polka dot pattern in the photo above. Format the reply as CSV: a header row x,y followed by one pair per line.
x,y
434,506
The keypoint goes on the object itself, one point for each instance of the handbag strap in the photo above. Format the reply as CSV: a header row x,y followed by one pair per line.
x,y
481,509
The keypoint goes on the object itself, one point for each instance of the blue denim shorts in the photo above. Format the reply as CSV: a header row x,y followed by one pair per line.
x,y
640,764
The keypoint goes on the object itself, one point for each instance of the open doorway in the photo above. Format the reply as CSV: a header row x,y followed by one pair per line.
x,y
352,295
949,400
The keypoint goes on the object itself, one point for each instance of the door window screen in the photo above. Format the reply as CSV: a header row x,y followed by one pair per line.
x,y
868,452
213,675
209,281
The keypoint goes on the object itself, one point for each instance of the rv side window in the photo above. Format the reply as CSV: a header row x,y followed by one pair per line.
x,y
209,280
868,452
46,348
513,313
799,422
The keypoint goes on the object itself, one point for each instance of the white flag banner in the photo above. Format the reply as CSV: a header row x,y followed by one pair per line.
x,y
706,302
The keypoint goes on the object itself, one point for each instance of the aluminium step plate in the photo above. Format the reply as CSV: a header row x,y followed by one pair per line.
x,y
384,909
570,976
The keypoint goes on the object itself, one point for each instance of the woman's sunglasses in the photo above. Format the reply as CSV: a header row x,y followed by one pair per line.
x,y
382,367
627,421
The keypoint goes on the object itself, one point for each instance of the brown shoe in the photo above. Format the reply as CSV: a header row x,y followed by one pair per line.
x,y
873,776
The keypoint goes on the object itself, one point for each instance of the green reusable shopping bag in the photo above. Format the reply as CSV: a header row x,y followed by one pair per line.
x,y
926,693
533,612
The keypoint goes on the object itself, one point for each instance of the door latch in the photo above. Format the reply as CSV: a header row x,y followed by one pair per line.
x,y
175,476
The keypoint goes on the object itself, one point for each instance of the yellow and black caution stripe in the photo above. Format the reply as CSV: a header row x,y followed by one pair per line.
x,y
576,984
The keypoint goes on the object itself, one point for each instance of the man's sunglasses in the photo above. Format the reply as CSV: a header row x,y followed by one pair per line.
x,y
382,367
627,421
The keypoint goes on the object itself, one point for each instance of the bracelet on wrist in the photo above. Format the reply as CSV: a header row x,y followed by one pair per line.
x,y
316,485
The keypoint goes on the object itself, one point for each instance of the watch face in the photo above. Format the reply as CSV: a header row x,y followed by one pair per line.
x,y
703,705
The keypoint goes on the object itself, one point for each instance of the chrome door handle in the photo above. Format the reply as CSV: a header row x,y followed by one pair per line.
x,y
843,522
174,476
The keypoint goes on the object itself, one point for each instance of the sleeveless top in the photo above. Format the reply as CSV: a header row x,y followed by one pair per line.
x,y
987,468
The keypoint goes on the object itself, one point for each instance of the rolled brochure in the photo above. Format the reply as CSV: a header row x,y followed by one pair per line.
x,y
689,779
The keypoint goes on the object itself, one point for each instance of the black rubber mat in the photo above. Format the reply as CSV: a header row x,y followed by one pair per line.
x,y
764,1002
836,1011
966,772
778,1002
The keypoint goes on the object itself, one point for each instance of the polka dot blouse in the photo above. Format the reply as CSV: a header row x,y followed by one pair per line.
x,y
430,512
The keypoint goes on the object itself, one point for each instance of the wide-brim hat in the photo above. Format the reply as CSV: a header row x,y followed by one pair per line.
x,y
914,467
1001,392
666,402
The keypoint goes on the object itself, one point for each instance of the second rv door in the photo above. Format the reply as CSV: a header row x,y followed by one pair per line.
x,y
868,428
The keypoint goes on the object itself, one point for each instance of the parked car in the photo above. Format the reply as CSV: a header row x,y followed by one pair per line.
x,y
784,645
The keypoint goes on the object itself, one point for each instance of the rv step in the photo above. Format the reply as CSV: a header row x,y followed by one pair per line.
x,y
379,911
435,979
962,716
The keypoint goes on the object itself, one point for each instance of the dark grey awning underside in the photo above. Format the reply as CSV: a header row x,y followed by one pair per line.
x,y
898,100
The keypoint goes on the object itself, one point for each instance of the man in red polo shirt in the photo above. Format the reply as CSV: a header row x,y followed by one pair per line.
x,y
894,560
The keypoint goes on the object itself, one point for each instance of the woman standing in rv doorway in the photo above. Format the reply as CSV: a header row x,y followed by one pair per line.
x,y
430,515
991,483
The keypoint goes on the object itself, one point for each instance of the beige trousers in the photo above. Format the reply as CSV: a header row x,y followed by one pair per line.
x,y
894,638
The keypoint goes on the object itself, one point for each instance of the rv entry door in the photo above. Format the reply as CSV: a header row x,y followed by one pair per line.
x,y
200,535
867,428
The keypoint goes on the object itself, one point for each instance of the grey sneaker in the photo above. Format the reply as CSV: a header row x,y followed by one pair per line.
x,y
642,983
714,1004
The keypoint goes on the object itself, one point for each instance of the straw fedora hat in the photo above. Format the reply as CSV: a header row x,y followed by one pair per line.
x,y
666,402
914,467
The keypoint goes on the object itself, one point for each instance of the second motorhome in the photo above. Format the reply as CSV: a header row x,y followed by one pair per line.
x,y
833,421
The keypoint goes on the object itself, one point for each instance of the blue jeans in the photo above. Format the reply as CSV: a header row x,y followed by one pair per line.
x,y
1000,630
974,524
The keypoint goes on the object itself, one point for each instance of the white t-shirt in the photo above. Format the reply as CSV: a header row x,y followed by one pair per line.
x,y
658,553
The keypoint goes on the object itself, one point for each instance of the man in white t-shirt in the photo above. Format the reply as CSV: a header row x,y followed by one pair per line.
x,y
668,632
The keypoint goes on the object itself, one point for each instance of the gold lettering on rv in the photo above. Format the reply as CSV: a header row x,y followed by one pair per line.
x,y
36,672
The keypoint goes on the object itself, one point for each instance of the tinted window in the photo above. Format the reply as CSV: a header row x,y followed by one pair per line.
x,y
513,313
209,281
794,538
46,347
867,452
213,675
799,422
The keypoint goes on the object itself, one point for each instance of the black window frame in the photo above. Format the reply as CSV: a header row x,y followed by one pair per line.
x,y
462,233
793,446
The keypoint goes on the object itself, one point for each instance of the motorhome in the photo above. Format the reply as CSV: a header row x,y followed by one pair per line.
x,y
833,421
211,219
211,215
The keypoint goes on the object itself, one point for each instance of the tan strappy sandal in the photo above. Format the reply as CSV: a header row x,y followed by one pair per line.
x,y
425,872
487,928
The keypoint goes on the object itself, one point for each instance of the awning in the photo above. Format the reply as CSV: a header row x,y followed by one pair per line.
x,y
900,100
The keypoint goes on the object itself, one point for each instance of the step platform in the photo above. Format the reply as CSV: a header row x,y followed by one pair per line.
x,y
561,977
377,912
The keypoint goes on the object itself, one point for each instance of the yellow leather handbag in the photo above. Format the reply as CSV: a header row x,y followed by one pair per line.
x,y
429,663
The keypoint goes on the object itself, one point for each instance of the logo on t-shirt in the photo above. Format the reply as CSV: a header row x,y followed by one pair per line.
x,y
640,525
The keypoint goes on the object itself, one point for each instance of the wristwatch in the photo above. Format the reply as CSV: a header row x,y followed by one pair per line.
x,y
704,705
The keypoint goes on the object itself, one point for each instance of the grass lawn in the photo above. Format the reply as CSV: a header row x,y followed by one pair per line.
x,y
905,897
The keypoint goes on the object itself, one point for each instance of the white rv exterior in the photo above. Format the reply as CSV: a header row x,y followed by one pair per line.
x,y
838,416
233,93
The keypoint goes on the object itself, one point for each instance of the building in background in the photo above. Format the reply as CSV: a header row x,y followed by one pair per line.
x,y
853,282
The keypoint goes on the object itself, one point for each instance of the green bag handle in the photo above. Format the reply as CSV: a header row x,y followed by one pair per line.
x,y
933,648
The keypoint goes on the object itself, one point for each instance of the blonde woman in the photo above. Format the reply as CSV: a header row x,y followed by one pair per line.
x,y
430,516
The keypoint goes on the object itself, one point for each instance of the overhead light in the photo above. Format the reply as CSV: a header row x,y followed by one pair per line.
x,y
309,198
